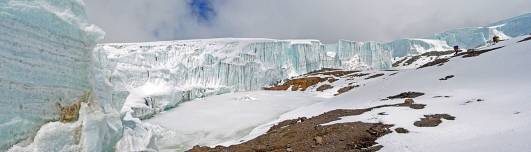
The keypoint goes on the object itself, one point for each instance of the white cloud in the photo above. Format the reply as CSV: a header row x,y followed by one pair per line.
x,y
328,20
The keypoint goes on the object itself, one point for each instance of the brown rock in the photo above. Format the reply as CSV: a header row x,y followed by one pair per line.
x,y
401,130
324,87
432,120
318,140
409,101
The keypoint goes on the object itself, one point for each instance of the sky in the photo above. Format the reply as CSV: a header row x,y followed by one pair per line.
x,y
326,20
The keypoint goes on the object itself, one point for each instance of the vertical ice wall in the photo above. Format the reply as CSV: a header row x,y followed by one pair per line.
x,y
184,70
46,65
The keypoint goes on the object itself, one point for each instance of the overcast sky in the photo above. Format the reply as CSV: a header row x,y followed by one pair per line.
x,y
327,20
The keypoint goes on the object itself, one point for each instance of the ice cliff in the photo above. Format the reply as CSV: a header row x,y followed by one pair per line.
x,y
188,69
48,78
161,74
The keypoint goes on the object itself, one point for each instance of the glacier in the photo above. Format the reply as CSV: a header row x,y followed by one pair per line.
x,y
50,64
187,69
49,80
159,75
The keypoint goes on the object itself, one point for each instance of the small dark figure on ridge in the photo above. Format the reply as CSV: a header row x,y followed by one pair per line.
x,y
456,49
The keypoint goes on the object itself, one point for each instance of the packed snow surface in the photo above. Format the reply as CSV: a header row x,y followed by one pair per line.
x,y
216,119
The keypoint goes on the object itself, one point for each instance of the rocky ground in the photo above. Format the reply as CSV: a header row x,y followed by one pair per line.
x,y
314,134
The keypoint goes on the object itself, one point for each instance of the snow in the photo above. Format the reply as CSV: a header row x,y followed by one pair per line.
x,y
499,123
216,119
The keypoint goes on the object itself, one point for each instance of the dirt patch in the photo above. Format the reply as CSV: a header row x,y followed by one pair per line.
x,y
69,113
447,77
300,84
374,76
526,39
345,89
438,62
324,87
406,95
401,130
432,120
332,80
308,134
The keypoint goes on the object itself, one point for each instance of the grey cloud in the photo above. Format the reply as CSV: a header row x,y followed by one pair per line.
x,y
328,20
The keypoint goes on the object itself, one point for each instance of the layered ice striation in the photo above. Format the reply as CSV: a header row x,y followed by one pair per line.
x,y
159,75
47,75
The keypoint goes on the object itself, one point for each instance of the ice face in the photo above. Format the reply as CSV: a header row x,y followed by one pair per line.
x,y
513,27
46,63
184,70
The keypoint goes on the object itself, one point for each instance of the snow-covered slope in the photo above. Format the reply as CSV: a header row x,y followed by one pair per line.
x,y
48,79
487,92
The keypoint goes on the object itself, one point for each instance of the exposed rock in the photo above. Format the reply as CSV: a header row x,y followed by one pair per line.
x,y
472,101
324,87
318,140
438,62
526,39
345,89
474,53
401,130
432,120
406,95
300,84
409,101
374,76
332,80
397,63
69,113
308,134
358,75
410,60
447,77
382,114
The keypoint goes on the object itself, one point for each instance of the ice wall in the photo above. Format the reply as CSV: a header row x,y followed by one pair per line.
x,y
516,26
184,70
46,65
